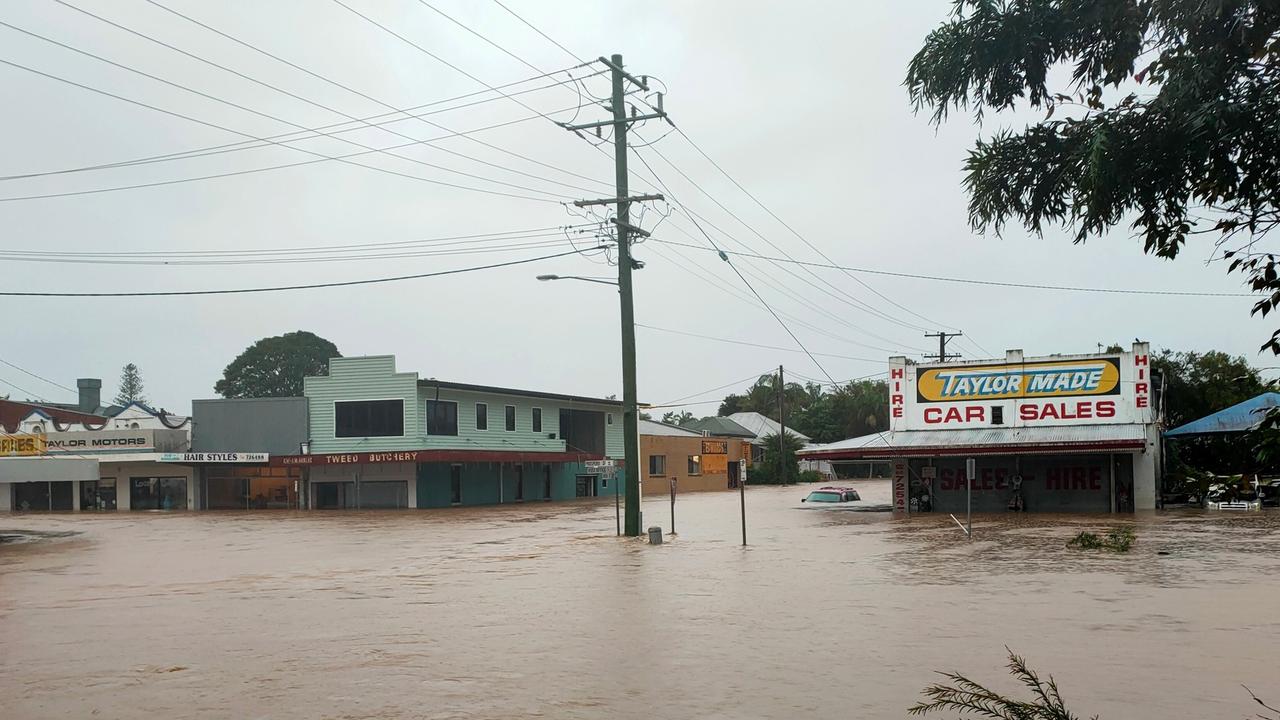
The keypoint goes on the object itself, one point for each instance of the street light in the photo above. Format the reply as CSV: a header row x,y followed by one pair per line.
x,y
602,281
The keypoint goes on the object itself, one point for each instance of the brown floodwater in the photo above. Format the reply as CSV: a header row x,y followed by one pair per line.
x,y
538,610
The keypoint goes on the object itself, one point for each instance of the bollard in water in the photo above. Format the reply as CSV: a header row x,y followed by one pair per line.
x,y
655,535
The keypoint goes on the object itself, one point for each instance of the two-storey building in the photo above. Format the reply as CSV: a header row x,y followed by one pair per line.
x,y
386,439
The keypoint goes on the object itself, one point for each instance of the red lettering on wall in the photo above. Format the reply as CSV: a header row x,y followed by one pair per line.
x,y
1140,402
896,373
1142,373
1105,409
1140,388
974,413
897,412
933,416
1027,412
896,400
1140,360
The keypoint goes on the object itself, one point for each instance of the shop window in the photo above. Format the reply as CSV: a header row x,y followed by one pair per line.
x,y
657,465
442,417
519,482
537,420
158,493
511,418
695,464
368,418
455,484
482,416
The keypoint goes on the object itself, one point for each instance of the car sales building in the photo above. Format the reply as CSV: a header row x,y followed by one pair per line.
x,y
386,439
1062,433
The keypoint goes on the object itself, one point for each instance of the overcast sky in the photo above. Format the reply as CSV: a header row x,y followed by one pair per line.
x,y
801,102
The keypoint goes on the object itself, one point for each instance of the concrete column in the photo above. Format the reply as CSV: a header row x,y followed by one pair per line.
x,y
75,495
6,497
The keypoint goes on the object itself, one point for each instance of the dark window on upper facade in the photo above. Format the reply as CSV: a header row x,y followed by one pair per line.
x,y
442,417
997,415
511,418
368,418
482,416
537,419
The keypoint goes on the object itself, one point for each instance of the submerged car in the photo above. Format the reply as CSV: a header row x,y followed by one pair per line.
x,y
832,495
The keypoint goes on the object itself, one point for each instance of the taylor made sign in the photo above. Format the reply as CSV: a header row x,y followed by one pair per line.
x,y
1043,391
215,457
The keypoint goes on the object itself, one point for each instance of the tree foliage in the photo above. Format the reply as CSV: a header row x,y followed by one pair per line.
x,y
970,698
678,418
275,366
856,408
130,386
779,466
1169,121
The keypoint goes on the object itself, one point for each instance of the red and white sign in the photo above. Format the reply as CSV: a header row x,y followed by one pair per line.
x,y
900,487
1108,388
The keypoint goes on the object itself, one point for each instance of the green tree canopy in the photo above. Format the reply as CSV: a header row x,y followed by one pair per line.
x,y
130,386
678,418
1168,119
275,366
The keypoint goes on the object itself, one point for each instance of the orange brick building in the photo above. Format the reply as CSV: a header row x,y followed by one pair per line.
x,y
695,462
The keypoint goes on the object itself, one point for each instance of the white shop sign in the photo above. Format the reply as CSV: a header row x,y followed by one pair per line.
x,y
215,457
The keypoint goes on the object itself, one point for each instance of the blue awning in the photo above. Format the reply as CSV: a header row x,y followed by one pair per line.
x,y
1241,417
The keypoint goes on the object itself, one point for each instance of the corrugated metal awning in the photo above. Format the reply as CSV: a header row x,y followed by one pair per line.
x,y
984,441
47,469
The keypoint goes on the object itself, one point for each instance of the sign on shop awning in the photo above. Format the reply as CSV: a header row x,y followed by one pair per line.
x,y
215,457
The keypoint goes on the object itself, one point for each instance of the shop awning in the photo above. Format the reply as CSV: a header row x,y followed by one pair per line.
x,y
47,469
984,441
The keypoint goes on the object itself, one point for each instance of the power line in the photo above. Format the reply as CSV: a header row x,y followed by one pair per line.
x,y
795,232
738,272
535,29
280,288
753,376
323,157
293,136
972,281
38,377
366,96
305,249
758,345
860,303
447,252
275,117
784,268
30,394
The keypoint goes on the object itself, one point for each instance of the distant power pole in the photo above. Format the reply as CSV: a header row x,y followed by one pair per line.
x,y
943,355
782,428
622,201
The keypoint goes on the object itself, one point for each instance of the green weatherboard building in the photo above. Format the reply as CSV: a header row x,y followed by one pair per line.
x,y
386,439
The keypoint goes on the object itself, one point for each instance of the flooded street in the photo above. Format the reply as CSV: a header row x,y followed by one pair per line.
x,y
539,611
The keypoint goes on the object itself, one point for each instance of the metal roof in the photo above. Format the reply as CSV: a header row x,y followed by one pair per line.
x,y
652,427
987,440
1241,417
763,425
720,426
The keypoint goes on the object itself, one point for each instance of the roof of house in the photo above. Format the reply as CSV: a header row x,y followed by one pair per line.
x,y
720,427
13,412
513,391
1241,417
763,425
983,441
652,427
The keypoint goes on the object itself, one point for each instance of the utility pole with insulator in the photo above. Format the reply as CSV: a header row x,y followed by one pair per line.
x,y
943,355
630,421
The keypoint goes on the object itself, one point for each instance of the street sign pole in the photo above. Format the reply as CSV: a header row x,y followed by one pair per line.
x,y
971,472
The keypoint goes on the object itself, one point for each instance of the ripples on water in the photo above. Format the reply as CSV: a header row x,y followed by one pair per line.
x,y
538,610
